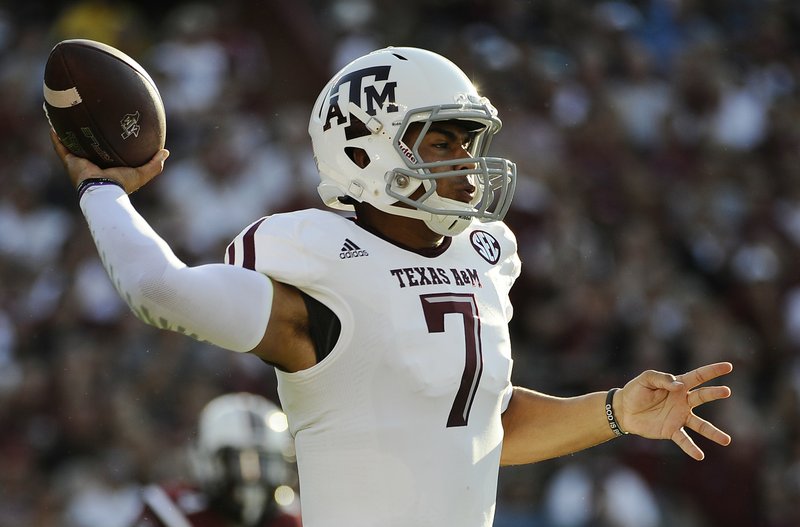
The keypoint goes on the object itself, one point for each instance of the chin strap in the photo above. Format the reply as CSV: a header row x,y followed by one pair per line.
x,y
444,224
448,225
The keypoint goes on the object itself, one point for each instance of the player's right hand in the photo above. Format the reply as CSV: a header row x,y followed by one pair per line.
x,y
131,179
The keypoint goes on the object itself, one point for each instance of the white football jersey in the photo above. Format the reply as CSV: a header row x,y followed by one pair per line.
x,y
400,424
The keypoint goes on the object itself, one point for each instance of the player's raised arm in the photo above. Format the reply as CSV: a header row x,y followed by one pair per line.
x,y
159,288
109,153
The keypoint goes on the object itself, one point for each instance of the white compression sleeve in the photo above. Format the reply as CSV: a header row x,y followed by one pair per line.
x,y
222,304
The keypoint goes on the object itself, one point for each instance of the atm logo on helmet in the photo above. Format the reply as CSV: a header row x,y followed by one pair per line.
x,y
365,91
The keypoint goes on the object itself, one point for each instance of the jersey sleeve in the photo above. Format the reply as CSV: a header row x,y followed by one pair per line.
x,y
283,246
509,267
512,266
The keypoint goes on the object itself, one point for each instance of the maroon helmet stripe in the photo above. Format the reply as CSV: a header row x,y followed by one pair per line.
x,y
231,254
249,246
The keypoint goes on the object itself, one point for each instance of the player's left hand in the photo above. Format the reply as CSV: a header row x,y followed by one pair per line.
x,y
659,405
131,179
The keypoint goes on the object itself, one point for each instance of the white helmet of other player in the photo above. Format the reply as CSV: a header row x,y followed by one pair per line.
x,y
243,456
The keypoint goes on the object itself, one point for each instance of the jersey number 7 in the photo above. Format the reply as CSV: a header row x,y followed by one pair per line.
x,y
435,307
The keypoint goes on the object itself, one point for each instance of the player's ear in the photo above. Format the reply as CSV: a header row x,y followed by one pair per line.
x,y
359,156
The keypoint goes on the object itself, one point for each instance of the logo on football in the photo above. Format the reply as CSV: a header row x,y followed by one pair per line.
x,y
130,125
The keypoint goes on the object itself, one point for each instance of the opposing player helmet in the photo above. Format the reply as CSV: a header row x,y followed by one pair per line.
x,y
243,456
370,104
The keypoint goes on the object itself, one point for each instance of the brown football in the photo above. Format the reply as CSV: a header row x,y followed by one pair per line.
x,y
102,104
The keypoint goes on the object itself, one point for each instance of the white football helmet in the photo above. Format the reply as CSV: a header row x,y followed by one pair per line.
x,y
370,104
243,456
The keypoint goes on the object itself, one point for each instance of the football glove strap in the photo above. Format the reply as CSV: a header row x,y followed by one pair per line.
x,y
221,304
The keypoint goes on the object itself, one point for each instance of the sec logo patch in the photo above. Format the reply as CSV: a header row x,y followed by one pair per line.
x,y
486,246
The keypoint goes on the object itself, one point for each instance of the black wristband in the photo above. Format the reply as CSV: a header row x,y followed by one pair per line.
x,y
91,182
612,421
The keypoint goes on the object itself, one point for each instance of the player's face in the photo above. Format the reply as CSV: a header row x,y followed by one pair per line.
x,y
447,140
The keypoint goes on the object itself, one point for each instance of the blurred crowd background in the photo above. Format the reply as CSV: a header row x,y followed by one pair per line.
x,y
658,217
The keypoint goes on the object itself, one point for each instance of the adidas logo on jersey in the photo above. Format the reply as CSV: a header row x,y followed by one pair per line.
x,y
351,250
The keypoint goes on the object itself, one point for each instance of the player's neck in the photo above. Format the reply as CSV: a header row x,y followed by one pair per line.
x,y
408,232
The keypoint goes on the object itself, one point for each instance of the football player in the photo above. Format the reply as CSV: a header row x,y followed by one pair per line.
x,y
243,466
388,329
